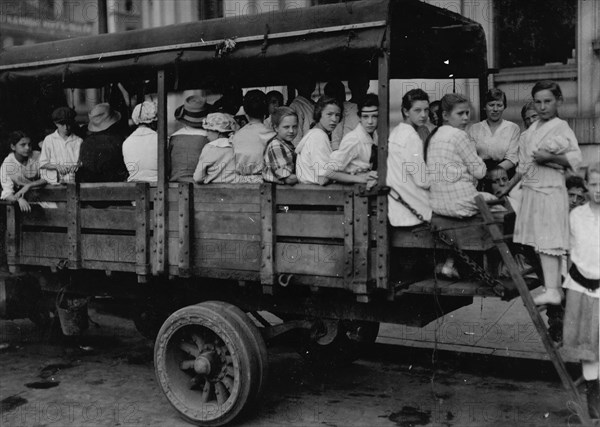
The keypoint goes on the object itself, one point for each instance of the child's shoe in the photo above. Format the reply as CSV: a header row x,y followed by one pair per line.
x,y
550,297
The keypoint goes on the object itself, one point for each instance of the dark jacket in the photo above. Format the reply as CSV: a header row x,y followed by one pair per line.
x,y
101,157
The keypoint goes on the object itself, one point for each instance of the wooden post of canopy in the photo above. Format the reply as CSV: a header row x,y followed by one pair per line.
x,y
161,198
383,130
483,88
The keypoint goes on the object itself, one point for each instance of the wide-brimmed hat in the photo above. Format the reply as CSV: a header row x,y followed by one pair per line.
x,y
102,117
191,113
144,113
219,122
64,115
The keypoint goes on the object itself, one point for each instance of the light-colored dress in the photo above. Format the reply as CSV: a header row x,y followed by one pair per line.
x,y
543,217
313,163
249,145
346,125
407,176
140,155
304,108
453,168
501,145
354,153
59,151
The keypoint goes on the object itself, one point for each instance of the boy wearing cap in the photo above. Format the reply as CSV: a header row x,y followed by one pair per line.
x,y
217,162
187,143
60,150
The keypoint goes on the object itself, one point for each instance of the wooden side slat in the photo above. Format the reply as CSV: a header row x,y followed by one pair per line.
x,y
228,194
310,224
50,193
309,259
348,238
13,238
106,248
226,254
185,232
268,218
37,244
227,223
361,244
74,226
142,233
161,211
114,192
203,206
382,233
310,195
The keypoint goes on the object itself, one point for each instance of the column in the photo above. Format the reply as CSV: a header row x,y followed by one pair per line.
x,y
588,63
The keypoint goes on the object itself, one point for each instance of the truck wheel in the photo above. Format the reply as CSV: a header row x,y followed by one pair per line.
x,y
256,339
207,364
325,347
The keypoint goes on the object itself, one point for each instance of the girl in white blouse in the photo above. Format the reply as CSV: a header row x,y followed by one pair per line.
x,y
20,171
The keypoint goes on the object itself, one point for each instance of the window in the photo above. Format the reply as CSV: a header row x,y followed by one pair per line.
x,y
210,9
129,5
534,32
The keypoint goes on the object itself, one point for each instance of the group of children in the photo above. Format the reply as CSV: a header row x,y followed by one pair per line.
x,y
440,174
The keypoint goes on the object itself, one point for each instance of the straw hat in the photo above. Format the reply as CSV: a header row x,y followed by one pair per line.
x,y
102,117
191,113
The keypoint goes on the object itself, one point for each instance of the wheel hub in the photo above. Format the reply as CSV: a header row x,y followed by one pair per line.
x,y
204,363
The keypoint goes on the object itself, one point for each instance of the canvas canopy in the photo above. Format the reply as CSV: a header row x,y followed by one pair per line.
x,y
269,48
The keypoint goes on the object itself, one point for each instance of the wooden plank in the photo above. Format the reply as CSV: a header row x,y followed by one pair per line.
x,y
74,226
108,248
109,266
310,224
268,218
226,207
361,244
46,217
310,195
105,191
382,233
310,259
227,254
227,223
185,232
216,273
109,219
162,189
13,237
348,238
225,194
45,245
142,233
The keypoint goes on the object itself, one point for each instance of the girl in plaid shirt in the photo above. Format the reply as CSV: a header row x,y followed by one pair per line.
x,y
280,157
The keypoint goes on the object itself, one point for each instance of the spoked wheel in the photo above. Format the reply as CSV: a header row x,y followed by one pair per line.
x,y
208,363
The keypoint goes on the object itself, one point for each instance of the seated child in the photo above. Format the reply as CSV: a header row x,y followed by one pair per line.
x,y
280,157
140,151
250,141
313,164
217,161
60,150
20,170
576,191
354,154
274,101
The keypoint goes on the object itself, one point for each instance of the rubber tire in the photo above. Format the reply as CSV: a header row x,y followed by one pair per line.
x,y
227,327
342,350
257,341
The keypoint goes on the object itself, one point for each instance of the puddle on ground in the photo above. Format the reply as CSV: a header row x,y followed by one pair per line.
x,y
410,416
10,403
49,370
43,385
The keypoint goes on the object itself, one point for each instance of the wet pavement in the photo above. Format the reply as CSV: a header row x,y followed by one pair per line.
x,y
106,378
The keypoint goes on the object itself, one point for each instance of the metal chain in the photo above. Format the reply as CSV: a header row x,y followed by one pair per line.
x,y
497,286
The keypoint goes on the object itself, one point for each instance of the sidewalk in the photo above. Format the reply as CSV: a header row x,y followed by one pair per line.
x,y
488,326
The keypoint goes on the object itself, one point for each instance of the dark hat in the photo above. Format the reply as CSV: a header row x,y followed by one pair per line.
x,y
63,115
194,109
